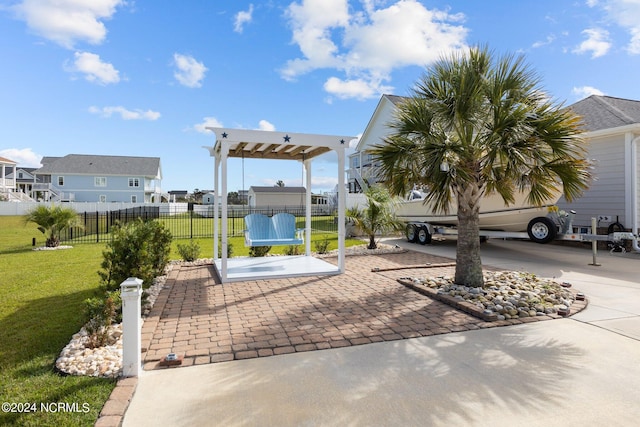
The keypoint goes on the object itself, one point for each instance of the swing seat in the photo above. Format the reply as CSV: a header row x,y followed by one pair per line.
x,y
278,230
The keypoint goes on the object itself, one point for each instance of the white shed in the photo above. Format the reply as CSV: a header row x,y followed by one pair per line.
x,y
276,196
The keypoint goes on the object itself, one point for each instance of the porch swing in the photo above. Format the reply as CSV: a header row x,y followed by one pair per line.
x,y
280,229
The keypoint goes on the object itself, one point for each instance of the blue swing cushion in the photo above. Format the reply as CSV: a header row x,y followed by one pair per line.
x,y
280,229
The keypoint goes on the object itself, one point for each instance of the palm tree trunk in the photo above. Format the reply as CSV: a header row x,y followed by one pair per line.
x,y
372,242
468,262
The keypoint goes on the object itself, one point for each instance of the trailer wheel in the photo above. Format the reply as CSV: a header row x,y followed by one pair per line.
x,y
424,237
542,230
412,233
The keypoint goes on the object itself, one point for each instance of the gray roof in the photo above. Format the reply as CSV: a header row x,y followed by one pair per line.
x,y
258,189
395,99
606,112
83,164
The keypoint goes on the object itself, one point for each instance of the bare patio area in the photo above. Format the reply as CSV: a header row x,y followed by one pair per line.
x,y
206,322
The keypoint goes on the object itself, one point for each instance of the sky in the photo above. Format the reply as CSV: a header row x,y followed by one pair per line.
x,y
145,77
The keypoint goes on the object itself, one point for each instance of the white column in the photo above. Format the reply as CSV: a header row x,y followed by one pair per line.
x,y
131,293
341,209
307,222
224,153
216,206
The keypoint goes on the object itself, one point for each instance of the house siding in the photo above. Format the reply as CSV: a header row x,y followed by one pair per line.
x,y
606,195
83,189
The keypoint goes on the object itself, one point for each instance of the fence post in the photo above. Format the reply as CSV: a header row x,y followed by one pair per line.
x,y
131,293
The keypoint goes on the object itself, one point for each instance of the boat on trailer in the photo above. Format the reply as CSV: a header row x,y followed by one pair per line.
x,y
519,217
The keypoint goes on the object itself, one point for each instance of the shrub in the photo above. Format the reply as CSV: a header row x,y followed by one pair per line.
x,y
292,250
321,246
229,247
189,251
52,221
138,249
258,251
102,312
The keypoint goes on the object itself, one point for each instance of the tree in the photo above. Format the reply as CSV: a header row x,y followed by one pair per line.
x,y
378,215
478,124
52,221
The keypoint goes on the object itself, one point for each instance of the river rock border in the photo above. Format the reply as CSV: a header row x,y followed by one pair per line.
x,y
506,296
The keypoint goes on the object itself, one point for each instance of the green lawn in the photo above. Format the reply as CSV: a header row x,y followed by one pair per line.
x,y
41,296
41,301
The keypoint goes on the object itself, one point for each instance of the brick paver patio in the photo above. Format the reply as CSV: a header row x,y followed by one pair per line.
x,y
205,322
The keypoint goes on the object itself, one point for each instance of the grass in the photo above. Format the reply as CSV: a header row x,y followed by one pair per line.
x,y
42,294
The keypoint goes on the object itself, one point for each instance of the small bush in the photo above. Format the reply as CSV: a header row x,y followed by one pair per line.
x,y
258,251
190,251
292,250
102,313
229,247
138,249
322,246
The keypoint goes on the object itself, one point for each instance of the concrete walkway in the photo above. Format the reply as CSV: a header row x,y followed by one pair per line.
x,y
582,370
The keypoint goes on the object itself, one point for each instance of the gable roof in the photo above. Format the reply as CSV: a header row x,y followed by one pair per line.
x,y
5,160
83,164
606,112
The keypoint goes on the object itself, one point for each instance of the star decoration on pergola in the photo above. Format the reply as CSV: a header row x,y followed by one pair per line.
x,y
224,134
286,138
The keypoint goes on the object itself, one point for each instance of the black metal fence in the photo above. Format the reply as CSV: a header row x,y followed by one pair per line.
x,y
193,223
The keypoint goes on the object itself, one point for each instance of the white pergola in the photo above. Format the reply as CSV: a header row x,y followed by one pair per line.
x,y
256,144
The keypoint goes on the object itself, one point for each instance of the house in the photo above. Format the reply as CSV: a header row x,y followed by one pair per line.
x,y
104,179
178,195
7,184
612,135
361,168
209,198
276,196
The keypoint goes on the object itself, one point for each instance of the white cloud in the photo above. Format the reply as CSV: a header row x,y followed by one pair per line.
x,y
242,18
265,125
125,114
357,88
550,39
625,13
189,72
206,122
368,45
24,157
66,22
94,69
585,91
597,42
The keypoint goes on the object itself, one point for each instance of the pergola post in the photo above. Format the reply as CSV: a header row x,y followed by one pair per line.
x,y
224,153
341,209
216,206
307,222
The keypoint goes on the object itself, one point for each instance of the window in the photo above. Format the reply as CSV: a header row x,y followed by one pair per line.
x,y
134,182
102,198
134,199
20,175
60,181
100,181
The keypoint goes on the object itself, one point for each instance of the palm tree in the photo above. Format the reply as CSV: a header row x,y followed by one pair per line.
x,y
476,125
53,221
378,215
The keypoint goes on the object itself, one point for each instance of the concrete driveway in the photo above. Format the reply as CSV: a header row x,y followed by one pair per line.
x,y
578,371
